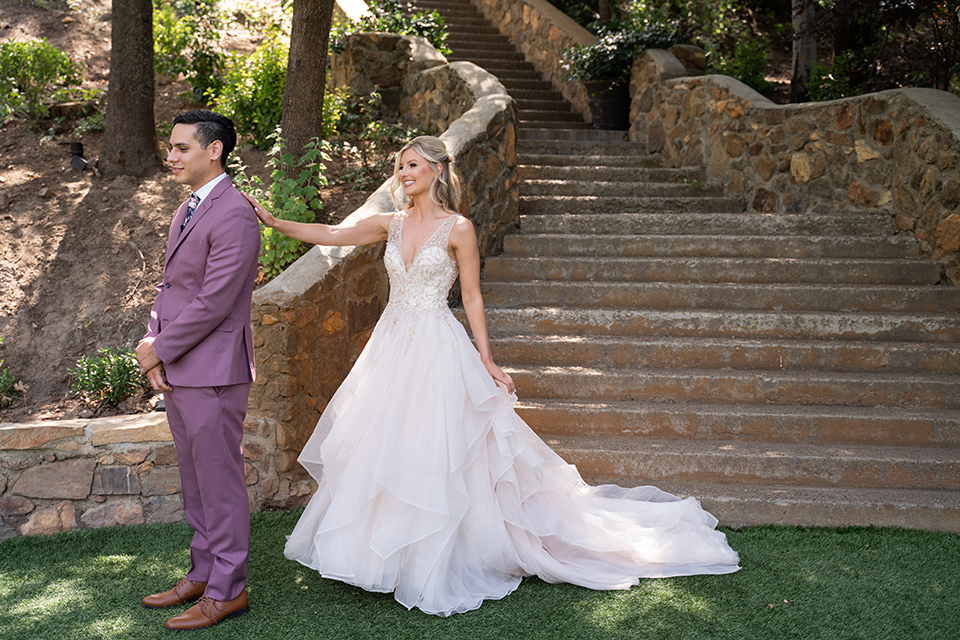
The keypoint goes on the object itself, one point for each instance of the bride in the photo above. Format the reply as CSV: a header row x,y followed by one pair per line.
x,y
430,485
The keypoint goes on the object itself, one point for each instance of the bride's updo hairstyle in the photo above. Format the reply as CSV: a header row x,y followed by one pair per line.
x,y
445,189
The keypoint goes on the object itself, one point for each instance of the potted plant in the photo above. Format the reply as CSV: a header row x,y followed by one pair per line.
x,y
604,69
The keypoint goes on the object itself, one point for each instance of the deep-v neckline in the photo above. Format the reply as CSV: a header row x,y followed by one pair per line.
x,y
413,261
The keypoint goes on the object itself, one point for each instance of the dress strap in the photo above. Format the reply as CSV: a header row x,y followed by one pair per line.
x,y
443,234
393,233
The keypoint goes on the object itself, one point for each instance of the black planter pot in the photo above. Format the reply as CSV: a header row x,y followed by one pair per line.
x,y
609,104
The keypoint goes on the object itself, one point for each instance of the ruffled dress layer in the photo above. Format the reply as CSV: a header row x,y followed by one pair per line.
x,y
431,486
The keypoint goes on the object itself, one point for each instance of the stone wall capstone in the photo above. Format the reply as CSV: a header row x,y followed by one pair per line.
x,y
895,151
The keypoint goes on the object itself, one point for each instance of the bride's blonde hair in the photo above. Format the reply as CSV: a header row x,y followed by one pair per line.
x,y
445,189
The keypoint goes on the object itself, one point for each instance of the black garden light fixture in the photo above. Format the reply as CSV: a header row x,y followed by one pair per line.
x,y
77,161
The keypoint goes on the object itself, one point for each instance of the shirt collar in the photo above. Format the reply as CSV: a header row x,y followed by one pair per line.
x,y
205,190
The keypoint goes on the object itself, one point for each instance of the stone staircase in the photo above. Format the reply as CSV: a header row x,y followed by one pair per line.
x,y
784,368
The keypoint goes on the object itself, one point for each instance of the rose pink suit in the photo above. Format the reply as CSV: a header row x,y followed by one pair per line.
x,y
201,325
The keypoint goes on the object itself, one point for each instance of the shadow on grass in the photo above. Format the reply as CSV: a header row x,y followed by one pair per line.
x,y
796,583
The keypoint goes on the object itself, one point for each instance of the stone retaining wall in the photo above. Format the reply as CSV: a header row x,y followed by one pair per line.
x,y
541,32
310,324
63,475
312,321
895,151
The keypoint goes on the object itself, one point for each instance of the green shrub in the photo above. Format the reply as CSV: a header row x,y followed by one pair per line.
x,y
31,75
365,121
252,90
611,58
94,122
395,16
10,389
186,39
749,63
334,108
290,197
832,81
111,376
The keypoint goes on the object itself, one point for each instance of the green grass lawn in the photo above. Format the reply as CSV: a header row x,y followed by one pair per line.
x,y
795,583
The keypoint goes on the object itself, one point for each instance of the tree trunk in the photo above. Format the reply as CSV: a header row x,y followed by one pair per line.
x,y
604,11
130,134
804,49
306,73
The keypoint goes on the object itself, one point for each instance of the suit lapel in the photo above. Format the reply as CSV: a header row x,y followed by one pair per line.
x,y
201,211
174,235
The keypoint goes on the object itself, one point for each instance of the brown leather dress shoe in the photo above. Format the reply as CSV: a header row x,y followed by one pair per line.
x,y
208,612
185,591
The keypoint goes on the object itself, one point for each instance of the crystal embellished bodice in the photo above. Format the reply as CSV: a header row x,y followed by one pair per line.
x,y
431,274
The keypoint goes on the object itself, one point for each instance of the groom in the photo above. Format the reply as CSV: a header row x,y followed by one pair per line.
x,y
199,350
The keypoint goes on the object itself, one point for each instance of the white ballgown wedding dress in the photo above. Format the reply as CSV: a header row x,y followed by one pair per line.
x,y
431,486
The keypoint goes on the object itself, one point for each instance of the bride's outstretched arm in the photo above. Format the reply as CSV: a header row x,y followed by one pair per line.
x,y
464,242
352,231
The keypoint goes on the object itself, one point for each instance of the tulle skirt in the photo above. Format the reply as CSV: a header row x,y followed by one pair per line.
x,y
431,487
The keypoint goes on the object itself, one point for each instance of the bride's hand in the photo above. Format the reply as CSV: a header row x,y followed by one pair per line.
x,y
500,376
265,217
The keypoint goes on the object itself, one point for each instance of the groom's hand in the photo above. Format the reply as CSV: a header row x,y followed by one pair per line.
x,y
158,379
146,356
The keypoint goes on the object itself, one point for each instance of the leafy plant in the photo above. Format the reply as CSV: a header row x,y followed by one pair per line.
x,y
10,389
893,43
291,197
31,74
365,121
395,16
831,81
252,90
749,63
93,122
111,376
334,108
186,39
611,58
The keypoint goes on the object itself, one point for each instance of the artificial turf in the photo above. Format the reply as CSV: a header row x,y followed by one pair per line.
x,y
802,583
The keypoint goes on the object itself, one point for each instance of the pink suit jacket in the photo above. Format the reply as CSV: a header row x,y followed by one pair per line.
x,y
201,317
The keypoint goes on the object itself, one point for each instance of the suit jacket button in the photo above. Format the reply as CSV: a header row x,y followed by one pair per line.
x,y
166,286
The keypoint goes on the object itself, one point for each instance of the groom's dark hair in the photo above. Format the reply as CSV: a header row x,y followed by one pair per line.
x,y
211,126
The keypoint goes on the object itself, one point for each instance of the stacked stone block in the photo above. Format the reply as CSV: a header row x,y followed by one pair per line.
x,y
894,151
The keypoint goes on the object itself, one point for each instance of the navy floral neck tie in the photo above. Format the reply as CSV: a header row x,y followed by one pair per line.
x,y
192,205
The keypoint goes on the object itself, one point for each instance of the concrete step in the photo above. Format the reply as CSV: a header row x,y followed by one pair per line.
x,y
747,325
754,505
518,75
872,426
575,148
618,188
496,56
695,269
601,173
471,27
552,115
625,352
693,216
522,95
619,157
563,128
552,244
570,135
917,391
463,41
544,105
640,461
689,294
615,210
